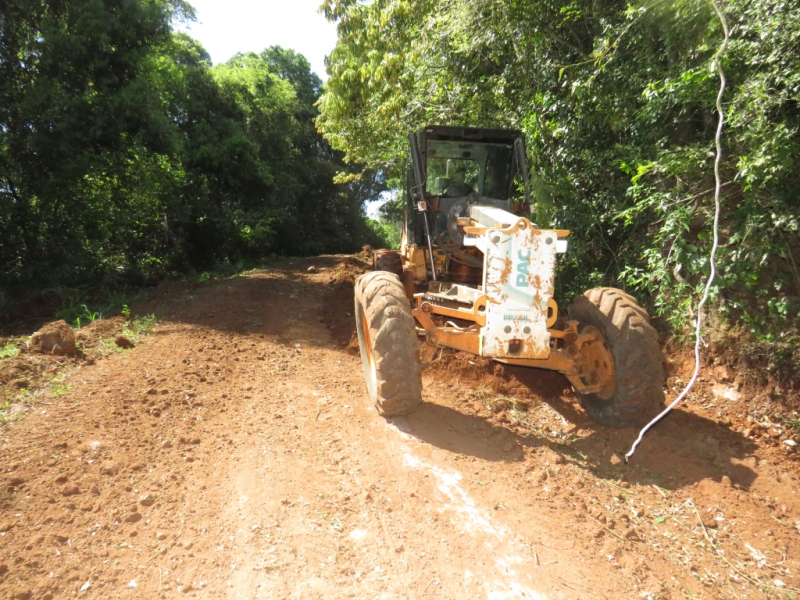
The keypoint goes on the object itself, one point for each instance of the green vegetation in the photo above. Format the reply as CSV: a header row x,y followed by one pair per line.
x,y
6,412
617,103
138,327
58,387
126,157
9,350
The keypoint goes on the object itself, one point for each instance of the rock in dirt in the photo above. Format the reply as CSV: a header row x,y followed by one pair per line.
x,y
124,342
54,338
6,526
3,569
631,534
147,500
134,517
21,594
709,522
109,468
93,446
500,405
70,490
311,269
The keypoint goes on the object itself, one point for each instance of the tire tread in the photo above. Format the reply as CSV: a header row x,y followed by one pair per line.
x,y
381,297
638,360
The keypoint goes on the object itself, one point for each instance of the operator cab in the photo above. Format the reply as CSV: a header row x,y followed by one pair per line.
x,y
455,168
461,161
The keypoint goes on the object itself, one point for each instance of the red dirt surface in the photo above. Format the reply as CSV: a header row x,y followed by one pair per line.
x,y
232,454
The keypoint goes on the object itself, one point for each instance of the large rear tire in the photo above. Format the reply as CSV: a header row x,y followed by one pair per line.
x,y
388,342
637,388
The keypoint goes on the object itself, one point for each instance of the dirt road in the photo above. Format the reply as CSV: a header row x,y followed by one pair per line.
x,y
232,454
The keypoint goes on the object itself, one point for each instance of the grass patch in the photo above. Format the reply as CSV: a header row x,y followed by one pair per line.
x,y
135,329
10,411
5,412
9,350
58,388
138,327
79,308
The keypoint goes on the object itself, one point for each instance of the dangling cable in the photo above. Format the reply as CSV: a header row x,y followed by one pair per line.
x,y
714,247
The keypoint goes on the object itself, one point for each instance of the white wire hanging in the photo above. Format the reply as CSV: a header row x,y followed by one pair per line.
x,y
714,247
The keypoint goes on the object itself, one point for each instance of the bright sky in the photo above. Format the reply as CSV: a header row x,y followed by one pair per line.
x,y
225,27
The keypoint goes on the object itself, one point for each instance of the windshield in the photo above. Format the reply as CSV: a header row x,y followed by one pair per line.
x,y
457,169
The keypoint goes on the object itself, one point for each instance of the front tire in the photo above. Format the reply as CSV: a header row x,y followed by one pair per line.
x,y
388,342
637,391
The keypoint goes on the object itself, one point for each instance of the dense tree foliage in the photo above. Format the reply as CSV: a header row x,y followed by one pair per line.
x,y
125,154
617,103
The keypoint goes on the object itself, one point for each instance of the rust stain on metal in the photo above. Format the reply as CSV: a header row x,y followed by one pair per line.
x,y
506,273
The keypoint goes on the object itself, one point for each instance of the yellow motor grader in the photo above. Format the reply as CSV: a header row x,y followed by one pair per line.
x,y
473,276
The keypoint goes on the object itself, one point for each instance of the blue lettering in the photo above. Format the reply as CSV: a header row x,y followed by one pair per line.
x,y
522,268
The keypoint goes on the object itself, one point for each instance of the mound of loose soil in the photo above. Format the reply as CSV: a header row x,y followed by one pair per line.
x,y
55,338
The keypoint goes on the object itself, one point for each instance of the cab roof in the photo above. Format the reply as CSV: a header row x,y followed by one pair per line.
x,y
470,134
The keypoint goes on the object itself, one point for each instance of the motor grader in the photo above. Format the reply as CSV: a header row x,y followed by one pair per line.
x,y
472,274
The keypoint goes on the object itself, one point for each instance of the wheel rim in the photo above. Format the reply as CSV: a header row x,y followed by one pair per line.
x,y
597,363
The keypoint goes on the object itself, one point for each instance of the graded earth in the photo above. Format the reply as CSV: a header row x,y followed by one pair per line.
x,y
232,453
